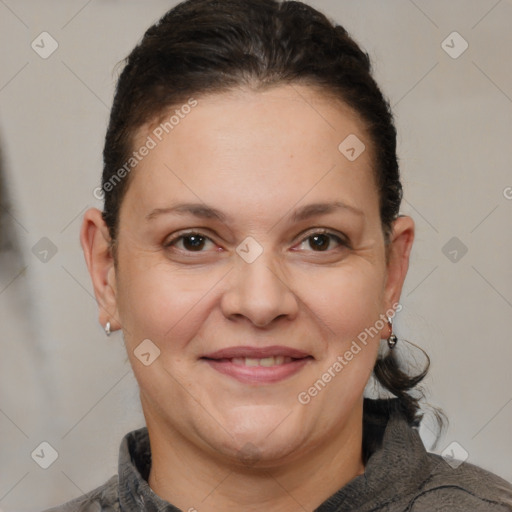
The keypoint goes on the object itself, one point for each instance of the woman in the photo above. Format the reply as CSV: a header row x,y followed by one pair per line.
x,y
252,252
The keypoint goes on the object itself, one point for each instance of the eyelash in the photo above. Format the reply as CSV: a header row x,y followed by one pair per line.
x,y
342,242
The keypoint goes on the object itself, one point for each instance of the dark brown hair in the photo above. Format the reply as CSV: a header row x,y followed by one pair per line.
x,y
210,46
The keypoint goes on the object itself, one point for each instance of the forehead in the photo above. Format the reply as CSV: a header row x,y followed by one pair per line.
x,y
284,143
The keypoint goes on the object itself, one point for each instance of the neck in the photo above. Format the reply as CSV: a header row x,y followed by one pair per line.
x,y
189,479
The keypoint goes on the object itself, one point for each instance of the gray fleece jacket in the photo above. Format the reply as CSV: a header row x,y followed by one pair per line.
x,y
400,475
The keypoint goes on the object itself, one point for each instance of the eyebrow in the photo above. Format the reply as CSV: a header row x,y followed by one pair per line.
x,y
207,212
197,209
314,209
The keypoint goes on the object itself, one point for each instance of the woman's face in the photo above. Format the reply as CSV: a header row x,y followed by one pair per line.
x,y
250,293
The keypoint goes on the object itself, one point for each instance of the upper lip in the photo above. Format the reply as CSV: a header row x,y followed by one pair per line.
x,y
257,352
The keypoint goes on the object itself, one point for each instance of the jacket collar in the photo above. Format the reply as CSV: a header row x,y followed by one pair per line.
x,y
396,460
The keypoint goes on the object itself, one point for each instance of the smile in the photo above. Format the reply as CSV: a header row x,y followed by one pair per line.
x,y
253,365
265,361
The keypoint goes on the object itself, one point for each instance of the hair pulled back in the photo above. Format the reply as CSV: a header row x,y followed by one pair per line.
x,y
211,46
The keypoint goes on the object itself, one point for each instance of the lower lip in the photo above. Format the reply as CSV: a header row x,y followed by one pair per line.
x,y
258,374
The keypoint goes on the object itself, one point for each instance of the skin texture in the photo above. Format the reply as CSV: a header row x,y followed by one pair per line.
x,y
218,443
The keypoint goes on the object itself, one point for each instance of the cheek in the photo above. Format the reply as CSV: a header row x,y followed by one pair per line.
x,y
162,304
346,300
351,311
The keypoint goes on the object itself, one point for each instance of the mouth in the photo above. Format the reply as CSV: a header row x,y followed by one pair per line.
x,y
256,365
267,362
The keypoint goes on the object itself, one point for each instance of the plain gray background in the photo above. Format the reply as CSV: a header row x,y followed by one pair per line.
x,y
63,382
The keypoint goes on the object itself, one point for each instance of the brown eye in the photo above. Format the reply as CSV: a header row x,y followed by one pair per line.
x,y
319,242
193,242
190,242
322,241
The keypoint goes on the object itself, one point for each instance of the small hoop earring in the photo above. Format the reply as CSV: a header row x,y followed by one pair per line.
x,y
107,329
392,338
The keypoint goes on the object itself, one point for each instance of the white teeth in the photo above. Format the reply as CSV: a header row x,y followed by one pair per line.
x,y
265,361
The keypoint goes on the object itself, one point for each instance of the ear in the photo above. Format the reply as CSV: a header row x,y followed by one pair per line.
x,y
95,241
401,240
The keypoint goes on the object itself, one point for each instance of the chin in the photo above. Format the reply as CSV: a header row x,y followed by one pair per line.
x,y
263,455
264,436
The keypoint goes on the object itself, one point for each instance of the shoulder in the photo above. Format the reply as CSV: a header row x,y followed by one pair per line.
x,y
401,475
464,487
104,499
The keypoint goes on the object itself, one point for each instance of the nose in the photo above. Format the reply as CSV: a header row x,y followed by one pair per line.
x,y
260,292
